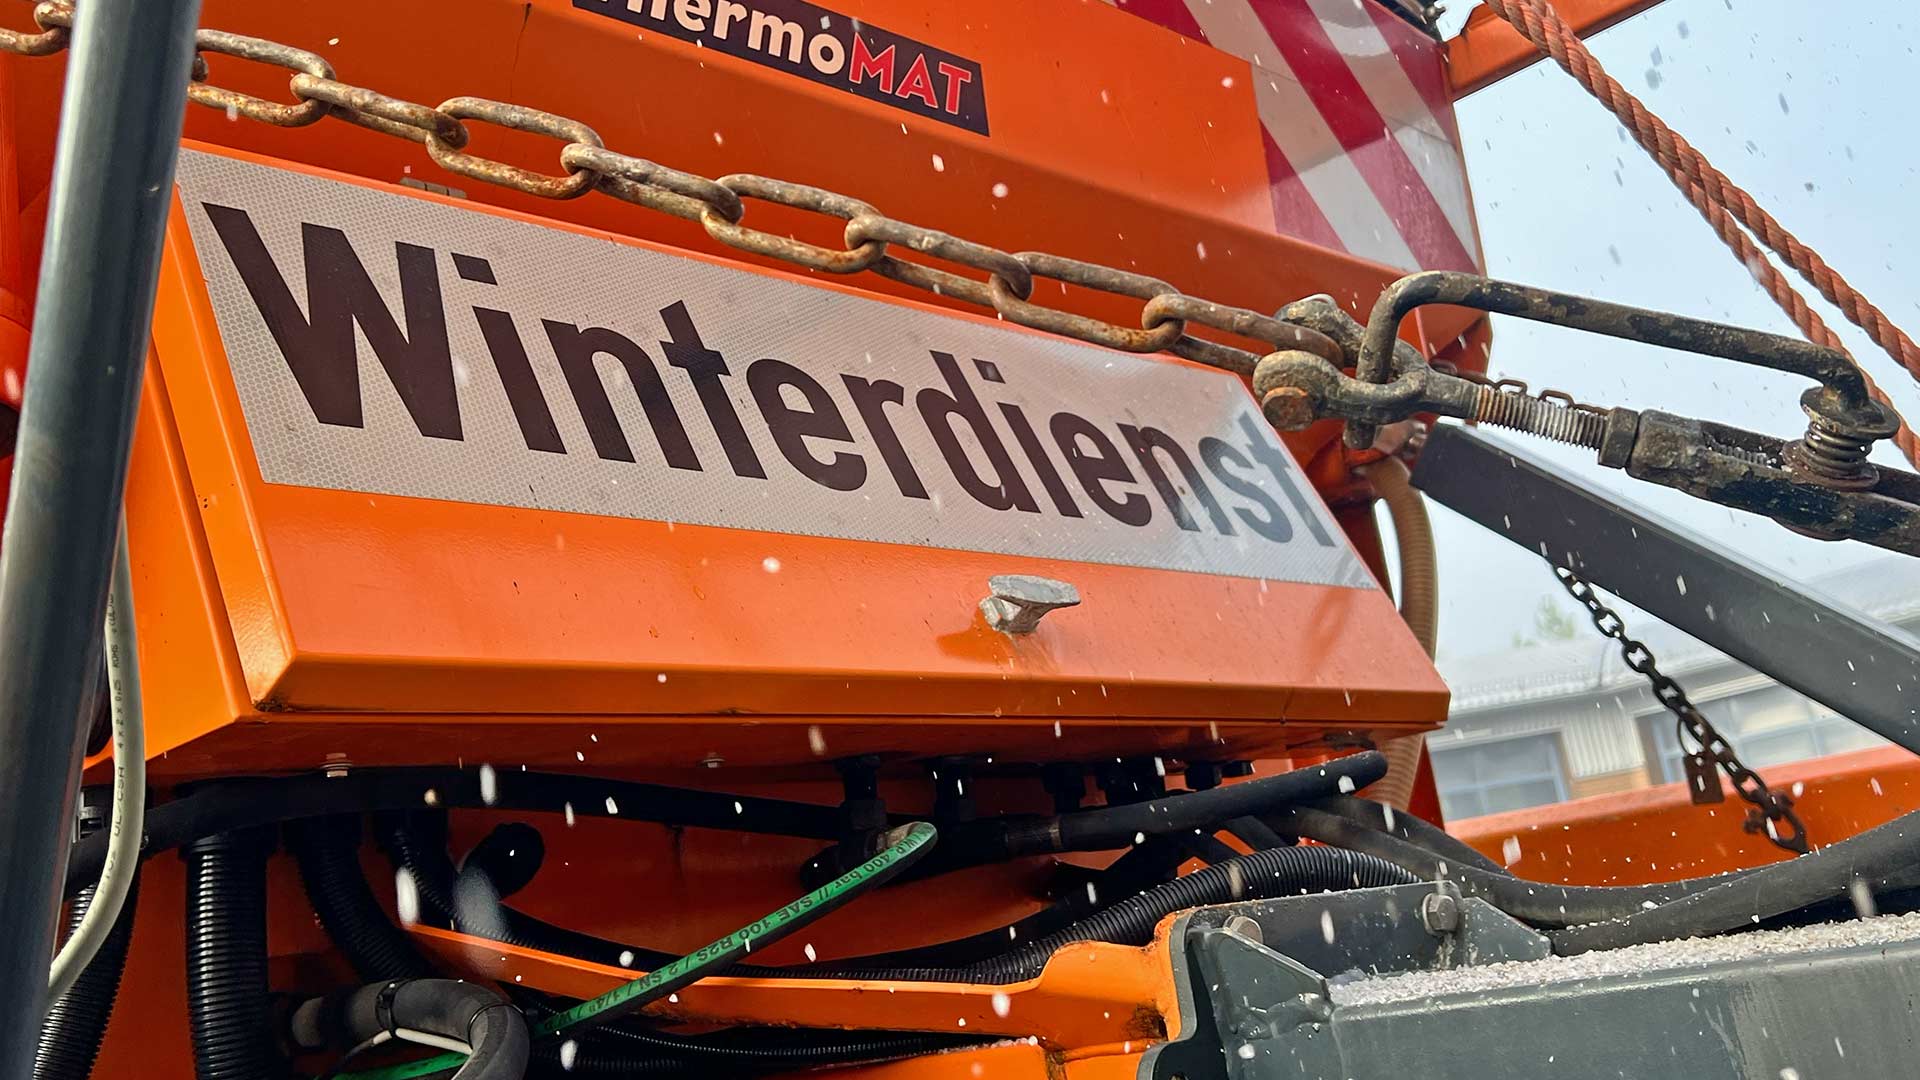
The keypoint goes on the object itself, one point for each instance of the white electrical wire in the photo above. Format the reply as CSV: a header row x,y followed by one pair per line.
x,y
438,1042
129,782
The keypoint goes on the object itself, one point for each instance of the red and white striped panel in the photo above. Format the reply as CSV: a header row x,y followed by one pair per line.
x,y
1362,148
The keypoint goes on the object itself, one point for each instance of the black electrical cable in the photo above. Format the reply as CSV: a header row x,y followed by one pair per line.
x,y
416,842
1535,902
328,851
1280,872
1205,846
76,1022
226,922
1415,830
619,1050
1110,827
230,804
221,806
1255,834
1884,852
1287,871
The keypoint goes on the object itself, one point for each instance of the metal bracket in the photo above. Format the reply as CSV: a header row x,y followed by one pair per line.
x,y
1019,601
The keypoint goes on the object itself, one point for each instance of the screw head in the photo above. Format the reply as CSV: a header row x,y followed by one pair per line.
x,y
1440,913
1244,927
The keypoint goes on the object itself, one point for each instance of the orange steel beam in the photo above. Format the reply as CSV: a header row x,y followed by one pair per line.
x,y
1659,834
1090,995
1489,49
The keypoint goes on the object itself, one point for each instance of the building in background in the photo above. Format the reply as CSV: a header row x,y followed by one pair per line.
x,y
1565,720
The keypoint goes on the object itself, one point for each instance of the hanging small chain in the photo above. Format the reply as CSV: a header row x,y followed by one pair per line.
x,y
719,205
1771,811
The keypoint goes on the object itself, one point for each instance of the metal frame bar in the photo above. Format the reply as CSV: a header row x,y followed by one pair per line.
x,y
1854,665
124,103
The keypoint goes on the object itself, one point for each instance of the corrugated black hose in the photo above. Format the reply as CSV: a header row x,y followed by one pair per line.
x,y
328,851
227,1000
1289,871
76,1023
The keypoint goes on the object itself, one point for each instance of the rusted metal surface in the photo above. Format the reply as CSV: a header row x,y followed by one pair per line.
x,y
1845,401
1728,466
300,61
1821,484
55,21
1297,388
449,155
717,204
855,258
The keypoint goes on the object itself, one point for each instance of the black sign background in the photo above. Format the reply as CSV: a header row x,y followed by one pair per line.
x,y
918,78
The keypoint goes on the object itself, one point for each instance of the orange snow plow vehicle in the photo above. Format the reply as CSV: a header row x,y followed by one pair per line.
x,y
759,537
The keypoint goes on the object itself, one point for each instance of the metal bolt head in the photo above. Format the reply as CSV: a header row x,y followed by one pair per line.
x,y
1440,913
1288,408
1245,927
1018,601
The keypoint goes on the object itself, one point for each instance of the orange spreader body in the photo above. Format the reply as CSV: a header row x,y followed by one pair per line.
x,y
293,628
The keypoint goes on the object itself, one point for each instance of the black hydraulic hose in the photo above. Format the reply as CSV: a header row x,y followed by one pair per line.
x,y
1532,901
76,1023
1144,866
328,851
227,1002
221,806
1882,853
1415,830
1110,827
466,1012
1255,834
416,842
613,1052
226,805
1287,871
1279,872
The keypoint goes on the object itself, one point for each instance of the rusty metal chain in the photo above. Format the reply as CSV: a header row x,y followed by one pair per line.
x,y
1770,809
872,240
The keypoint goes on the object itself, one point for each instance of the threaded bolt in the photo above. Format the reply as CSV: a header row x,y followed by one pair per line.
x,y
1537,417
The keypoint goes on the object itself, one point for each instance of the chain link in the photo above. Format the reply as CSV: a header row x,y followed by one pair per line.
x,y
870,236
55,20
1770,809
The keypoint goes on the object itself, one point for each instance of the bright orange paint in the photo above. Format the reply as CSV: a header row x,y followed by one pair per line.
x,y
1658,834
281,627
1489,49
344,606
1091,994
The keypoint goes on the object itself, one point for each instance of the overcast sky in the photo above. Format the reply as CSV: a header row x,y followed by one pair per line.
x,y
1809,107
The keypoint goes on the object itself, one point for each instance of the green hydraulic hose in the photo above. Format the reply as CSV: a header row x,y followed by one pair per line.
x,y
909,843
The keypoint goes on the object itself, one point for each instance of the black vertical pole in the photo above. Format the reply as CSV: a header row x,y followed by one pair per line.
x,y
112,183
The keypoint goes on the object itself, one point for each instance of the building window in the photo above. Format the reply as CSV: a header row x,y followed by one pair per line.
x,y
1502,774
1770,725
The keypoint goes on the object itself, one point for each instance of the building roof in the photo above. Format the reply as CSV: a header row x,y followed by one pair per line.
x,y
1887,589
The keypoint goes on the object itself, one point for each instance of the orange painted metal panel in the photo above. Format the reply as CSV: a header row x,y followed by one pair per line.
x,y
1091,994
1489,49
1658,834
345,603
